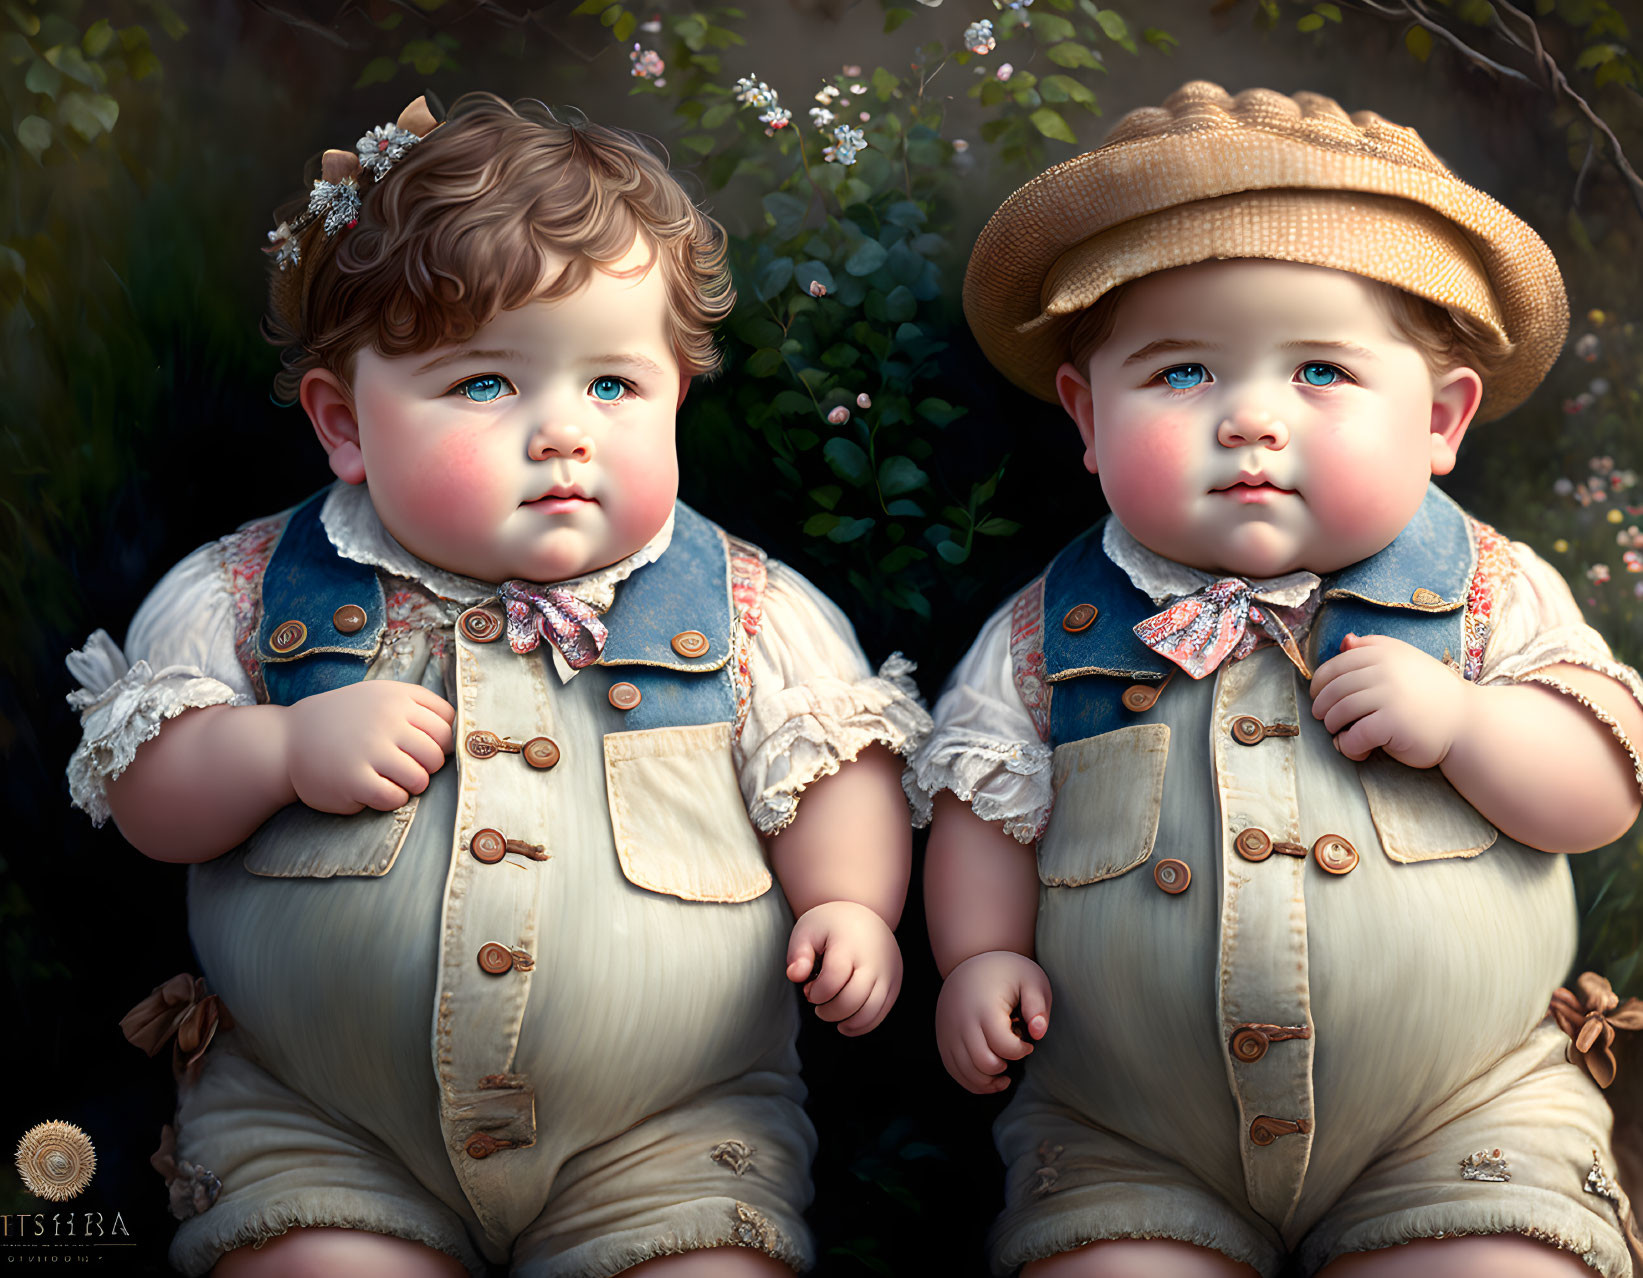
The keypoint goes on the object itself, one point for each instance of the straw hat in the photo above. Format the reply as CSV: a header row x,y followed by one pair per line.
x,y
1208,175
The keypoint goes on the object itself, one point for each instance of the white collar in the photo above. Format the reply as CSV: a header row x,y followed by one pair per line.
x,y
1163,579
352,524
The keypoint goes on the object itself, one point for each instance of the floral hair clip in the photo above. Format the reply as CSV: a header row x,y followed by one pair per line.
x,y
337,193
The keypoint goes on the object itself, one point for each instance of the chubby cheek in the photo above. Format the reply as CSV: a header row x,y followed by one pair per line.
x,y
446,491
1360,493
641,485
1148,471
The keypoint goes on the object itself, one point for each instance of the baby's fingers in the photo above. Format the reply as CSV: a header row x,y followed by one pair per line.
x,y
427,697
1366,735
1035,1007
871,1012
434,726
848,1001
421,747
837,969
379,793
1003,1040
982,1056
403,771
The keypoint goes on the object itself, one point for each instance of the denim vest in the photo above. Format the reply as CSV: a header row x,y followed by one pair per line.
x,y
1413,590
310,639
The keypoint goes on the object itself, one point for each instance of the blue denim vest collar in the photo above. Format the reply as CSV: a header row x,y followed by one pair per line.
x,y
1414,590
308,581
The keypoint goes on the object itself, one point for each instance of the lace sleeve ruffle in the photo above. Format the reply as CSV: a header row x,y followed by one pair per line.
x,y
180,656
1540,626
985,747
814,703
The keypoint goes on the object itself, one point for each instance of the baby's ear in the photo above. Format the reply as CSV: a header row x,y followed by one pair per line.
x,y
1455,399
1076,398
330,407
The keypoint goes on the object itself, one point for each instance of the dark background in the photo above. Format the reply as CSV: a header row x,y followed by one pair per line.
x,y
138,424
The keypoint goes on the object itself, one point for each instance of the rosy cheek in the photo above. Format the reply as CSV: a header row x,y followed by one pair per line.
x,y
444,485
1149,467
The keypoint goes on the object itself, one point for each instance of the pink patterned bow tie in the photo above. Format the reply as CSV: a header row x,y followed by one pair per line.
x,y
1203,629
556,615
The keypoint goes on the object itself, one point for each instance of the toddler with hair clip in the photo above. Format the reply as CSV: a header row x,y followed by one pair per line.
x,y
1269,780
532,1005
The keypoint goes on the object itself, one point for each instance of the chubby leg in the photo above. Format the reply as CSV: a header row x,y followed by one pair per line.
x,y
737,1262
1499,1255
345,1253
1138,1258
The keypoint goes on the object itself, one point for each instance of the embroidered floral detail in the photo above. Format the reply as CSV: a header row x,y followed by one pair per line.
x,y
181,1008
737,1155
1046,1175
1599,1182
245,556
748,578
1027,656
753,1229
1591,1020
1486,1164
1483,593
190,1189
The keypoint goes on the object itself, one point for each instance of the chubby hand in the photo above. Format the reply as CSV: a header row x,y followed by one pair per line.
x,y
370,744
974,1012
860,972
1382,692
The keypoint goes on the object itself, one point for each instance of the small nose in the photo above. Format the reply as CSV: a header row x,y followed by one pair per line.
x,y
1252,426
560,439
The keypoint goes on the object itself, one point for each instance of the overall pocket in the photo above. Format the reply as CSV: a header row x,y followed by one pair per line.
x,y
677,815
1107,794
299,842
1418,815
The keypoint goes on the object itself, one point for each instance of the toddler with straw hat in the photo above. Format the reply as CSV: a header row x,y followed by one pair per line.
x,y
1269,781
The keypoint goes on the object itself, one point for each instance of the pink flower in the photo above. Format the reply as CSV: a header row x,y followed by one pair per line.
x,y
839,415
864,400
1005,71
852,71
817,289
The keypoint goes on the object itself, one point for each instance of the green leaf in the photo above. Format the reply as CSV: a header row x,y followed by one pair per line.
x,y
773,278
903,506
609,16
701,143
898,475
1159,39
99,35
170,21
89,114
996,527
763,362
953,552
1050,27
1596,56
807,272
847,460
1049,122
793,403
26,22
1069,87
1071,54
624,28
850,530
868,257
786,212
43,78
905,213
826,496
841,355
893,18
939,411
377,71
68,59
884,84
900,306
1112,25
35,135
1418,40
716,115
820,525
1330,11
1309,22
900,557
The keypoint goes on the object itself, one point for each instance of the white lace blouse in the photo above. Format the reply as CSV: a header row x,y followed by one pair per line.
x,y
813,702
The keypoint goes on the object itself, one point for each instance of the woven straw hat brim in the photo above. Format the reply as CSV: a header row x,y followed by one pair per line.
x,y
1182,159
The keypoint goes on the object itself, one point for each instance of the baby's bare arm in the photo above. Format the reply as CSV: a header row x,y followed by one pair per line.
x,y
980,886
200,787
213,775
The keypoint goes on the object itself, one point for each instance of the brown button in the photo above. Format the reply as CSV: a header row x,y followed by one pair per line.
x,y
488,846
348,618
690,643
288,636
1247,729
1079,617
624,696
482,744
480,625
1249,1044
495,959
1141,696
1335,854
483,1145
1253,844
1172,876
541,752
1426,597
1266,1129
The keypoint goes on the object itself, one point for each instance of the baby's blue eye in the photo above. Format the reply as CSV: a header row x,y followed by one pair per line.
x,y
1321,374
608,388
1185,376
482,390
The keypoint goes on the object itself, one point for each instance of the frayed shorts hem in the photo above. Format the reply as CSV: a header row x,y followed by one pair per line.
x,y
202,1240
693,1226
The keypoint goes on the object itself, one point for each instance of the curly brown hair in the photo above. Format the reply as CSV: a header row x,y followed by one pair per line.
x,y
465,227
